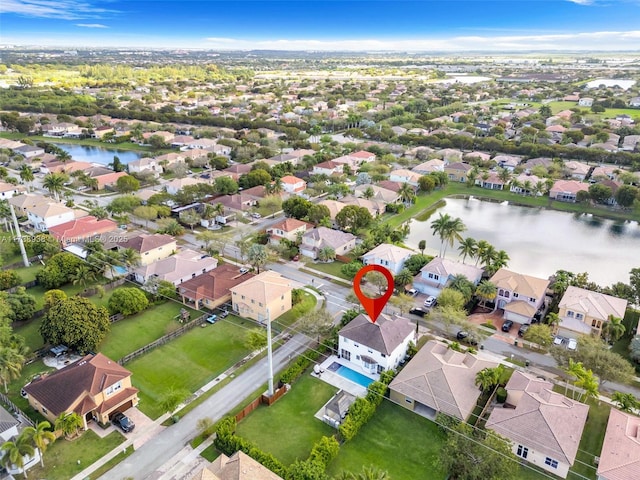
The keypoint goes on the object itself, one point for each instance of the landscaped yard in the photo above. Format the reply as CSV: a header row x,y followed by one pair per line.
x,y
64,459
591,443
28,274
308,302
189,361
401,442
332,268
28,372
288,428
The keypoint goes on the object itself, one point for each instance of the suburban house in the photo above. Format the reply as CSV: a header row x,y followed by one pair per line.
x,y
29,151
151,247
585,102
47,215
567,190
544,427
238,466
577,170
293,185
177,184
605,171
82,230
23,202
437,274
178,268
355,159
429,166
491,181
390,256
509,162
373,206
380,194
212,289
109,179
263,297
620,456
145,164
527,184
289,228
583,312
95,387
375,347
8,432
439,379
327,168
322,237
521,296
457,171
634,102
100,132
363,156
405,176
334,207
8,190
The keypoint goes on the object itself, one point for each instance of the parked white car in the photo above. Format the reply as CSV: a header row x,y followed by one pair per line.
x,y
573,344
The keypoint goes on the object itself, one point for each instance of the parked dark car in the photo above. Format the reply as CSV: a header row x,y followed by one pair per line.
x,y
506,326
418,311
465,337
523,329
124,422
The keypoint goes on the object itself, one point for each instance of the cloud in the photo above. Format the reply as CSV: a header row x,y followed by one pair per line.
x,y
582,2
629,40
91,25
60,9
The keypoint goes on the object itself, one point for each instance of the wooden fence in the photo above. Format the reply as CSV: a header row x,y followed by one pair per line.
x,y
12,406
261,400
162,340
30,284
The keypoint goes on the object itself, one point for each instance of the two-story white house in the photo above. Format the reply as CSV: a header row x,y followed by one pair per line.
x,y
327,168
437,274
322,237
405,176
389,256
293,185
375,347
521,296
7,190
290,229
48,215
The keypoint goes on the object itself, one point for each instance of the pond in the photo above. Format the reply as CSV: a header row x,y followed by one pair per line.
x,y
101,155
540,241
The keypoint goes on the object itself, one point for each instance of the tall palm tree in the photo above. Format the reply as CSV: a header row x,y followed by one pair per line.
x,y
54,182
588,383
453,232
553,320
486,291
499,259
26,174
407,193
575,370
11,362
481,247
40,436
485,379
16,451
130,257
83,276
439,226
487,256
63,156
626,401
614,328
468,248
5,214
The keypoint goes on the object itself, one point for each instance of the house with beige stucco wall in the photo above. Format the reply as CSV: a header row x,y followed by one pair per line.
x,y
262,298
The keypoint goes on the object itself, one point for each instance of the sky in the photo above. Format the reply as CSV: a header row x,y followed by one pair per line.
x,y
330,25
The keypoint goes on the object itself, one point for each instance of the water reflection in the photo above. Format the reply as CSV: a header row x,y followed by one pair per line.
x,y
103,156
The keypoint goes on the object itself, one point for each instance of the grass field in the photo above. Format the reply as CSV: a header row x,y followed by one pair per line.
x,y
608,113
291,421
591,443
308,302
188,362
401,442
332,268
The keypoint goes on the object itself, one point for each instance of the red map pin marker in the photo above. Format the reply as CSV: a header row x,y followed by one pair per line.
x,y
373,306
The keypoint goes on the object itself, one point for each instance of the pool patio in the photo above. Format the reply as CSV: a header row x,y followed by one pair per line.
x,y
332,378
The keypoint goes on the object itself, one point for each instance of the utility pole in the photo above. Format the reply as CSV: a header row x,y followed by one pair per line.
x,y
25,259
269,354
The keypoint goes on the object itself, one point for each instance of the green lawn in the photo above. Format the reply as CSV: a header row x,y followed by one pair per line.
x,y
28,274
91,142
591,443
332,268
608,113
30,331
38,291
61,458
308,302
189,361
401,442
290,420
8,253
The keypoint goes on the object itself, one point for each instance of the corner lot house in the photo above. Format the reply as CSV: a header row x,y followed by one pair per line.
x,y
521,296
263,298
439,379
620,457
375,347
544,427
583,312
390,256
178,268
151,247
95,387
437,274
322,237
212,289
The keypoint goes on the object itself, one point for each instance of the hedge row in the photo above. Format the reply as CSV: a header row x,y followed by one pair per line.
x,y
297,368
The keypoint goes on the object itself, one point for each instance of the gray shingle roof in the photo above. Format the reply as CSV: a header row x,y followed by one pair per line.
x,y
383,336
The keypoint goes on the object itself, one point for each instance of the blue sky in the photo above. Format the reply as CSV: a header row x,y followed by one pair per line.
x,y
449,25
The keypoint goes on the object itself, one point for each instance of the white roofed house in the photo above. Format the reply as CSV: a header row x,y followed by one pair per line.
x,y
379,193
389,256
437,274
620,456
429,166
322,237
178,268
145,164
544,427
583,312
405,176
375,347
521,296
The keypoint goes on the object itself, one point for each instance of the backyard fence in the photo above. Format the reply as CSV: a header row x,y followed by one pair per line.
x,y
162,340
13,407
30,284
261,400
15,265
116,318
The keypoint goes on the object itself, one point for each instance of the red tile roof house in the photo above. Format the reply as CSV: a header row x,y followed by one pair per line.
x,y
544,427
212,289
291,184
81,229
95,387
289,228
567,190
109,179
620,457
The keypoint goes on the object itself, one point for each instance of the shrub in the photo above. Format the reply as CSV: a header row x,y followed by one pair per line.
x,y
8,279
359,414
501,395
297,368
490,325
324,450
446,422
127,301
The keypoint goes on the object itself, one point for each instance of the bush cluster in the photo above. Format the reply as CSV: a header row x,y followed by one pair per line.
x,y
297,368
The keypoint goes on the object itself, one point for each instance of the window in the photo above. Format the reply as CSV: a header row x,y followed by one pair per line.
x,y
515,295
380,369
242,297
599,324
593,323
259,304
532,300
579,316
113,388
253,301
369,350
383,355
408,400
146,253
346,354
522,451
346,341
551,462
356,345
569,314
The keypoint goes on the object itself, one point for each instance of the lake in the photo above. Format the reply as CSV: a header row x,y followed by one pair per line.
x,y
539,241
101,155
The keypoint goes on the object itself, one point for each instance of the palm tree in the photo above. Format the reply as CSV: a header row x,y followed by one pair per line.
x,y
575,370
553,319
367,473
83,276
504,175
5,214
368,193
488,255
274,187
130,257
485,379
110,260
257,255
63,156
486,291
26,174
16,451
54,182
68,424
40,436
422,244
218,209
326,254
468,248
588,383
11,362
452,233
499,259
407,193
626,401
481,247
403,278
439,226
614,328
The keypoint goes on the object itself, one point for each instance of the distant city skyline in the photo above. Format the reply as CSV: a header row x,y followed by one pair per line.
x,y
330,25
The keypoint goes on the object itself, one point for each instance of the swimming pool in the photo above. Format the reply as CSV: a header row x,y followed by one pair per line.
x,y
349,374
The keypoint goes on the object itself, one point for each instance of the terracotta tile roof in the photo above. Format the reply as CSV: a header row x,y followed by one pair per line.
x,y
82,229
593,304
88,376
522,284
145,242
542,419
289,225
214,284
620,457
384,336
442,379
